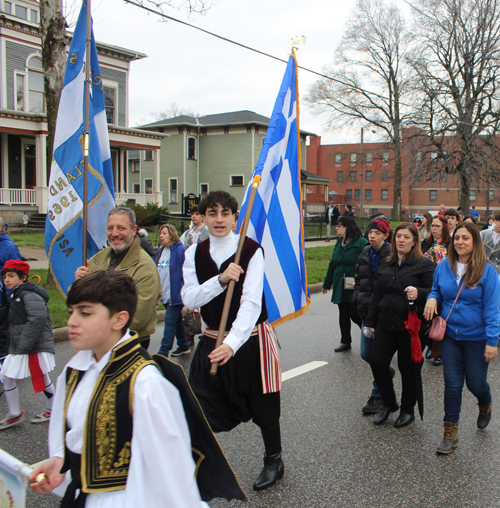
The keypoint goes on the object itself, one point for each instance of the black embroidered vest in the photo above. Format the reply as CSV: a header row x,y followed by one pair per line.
x,y
107,437
206,269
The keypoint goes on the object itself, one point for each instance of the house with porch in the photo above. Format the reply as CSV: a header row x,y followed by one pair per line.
x,y
23,127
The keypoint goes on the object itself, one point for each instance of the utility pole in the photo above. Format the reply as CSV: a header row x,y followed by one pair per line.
x,y
361,162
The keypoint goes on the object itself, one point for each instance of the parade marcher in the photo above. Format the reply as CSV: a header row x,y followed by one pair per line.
x,y
465,289
236,394
453,217
146,243
491,241
8,249
424,231
489,224
31,349
118,426
345,256
442,209
371,257
406,277
331,216
348,211
474,213
169,259
125,254
197,232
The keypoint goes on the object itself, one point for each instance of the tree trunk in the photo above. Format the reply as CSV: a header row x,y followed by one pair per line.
x,y
54,39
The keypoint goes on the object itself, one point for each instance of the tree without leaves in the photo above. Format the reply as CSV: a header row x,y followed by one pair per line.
x,y
172,111
458,67
371,79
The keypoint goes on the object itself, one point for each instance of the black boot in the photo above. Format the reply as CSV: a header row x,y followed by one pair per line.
x,y
273,465
384,413
272,471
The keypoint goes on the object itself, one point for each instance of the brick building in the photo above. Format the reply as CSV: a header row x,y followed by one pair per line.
x,y
421,191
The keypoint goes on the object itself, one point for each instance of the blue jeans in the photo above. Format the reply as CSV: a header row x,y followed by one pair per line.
x,y
173,328
463,359
366,347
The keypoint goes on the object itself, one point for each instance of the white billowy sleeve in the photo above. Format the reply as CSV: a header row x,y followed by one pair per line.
x,y
161,473
56,423
250,305
194,295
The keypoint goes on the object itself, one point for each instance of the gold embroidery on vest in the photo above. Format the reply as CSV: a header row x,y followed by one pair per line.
x,y
124,455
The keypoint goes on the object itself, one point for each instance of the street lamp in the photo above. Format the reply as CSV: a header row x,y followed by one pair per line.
x,y
361,162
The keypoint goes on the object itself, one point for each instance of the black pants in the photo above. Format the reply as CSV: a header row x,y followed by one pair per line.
x,y
385,344
347,312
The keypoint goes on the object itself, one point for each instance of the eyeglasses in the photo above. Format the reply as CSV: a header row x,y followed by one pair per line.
x,y
436,226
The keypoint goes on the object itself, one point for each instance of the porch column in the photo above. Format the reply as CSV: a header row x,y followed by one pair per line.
x,y
159,194
304,199
326,194
42,194
4,163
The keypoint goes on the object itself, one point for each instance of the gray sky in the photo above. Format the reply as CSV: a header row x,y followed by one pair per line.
x,y
197,71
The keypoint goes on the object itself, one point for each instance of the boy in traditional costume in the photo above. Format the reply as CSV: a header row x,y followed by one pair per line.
x,y
248,380
117,424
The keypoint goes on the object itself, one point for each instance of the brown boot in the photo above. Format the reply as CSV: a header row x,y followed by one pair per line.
x,y
450,438
484,416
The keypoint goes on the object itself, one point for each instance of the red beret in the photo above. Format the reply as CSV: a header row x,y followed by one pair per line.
x,y
15,264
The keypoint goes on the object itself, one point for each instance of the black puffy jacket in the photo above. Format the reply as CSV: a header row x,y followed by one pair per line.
x,y
389,307
365,279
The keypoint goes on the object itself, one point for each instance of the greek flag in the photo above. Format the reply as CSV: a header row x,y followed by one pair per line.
x,y
276,219
64,225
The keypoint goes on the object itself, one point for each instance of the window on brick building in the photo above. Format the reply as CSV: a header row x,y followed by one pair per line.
x,y
340,176
491,195
434,175
443,176
368,194
418,157
385,175
348,194
354,158
385,194
433,195
385,158
352,176
434,156
472,195
369,159
368,176
338,159
357,194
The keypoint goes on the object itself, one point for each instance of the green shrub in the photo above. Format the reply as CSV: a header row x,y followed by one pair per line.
x,y
149,215
23,231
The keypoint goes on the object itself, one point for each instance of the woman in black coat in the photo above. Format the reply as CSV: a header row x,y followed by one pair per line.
x,y
405,278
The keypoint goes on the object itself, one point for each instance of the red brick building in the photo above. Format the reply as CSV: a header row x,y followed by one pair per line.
x,y
421,191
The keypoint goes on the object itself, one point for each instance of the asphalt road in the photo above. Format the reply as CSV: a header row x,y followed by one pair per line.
x,y
334,456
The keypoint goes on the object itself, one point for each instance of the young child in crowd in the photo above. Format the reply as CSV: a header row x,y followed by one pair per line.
x,y
118,426
31,350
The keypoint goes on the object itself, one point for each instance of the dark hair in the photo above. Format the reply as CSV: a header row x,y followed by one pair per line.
x,y
195,209
445,230
427,225
115,290
352,232
497,217
218,197
472,218
451,212
18,272
349,207
416,252
475,266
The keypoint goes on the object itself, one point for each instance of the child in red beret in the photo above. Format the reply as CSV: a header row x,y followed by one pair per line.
x,y
31,350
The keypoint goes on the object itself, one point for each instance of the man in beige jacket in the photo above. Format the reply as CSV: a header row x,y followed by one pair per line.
x,y
125,254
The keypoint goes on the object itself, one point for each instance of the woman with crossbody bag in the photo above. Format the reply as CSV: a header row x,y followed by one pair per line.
x,y
472,327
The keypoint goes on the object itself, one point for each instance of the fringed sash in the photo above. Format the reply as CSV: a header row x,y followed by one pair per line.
x,y
270,368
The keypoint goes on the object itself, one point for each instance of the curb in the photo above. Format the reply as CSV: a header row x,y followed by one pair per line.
x,y
61,334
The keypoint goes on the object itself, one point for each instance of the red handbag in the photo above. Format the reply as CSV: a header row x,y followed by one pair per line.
x,y
438,326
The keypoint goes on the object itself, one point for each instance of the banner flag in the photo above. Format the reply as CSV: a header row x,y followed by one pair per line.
x,y
13,481
64,224
276,219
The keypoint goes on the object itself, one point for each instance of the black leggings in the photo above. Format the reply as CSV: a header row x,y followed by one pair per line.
x,y
347,312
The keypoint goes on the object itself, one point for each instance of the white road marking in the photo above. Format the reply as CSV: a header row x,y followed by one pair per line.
x,y
297,371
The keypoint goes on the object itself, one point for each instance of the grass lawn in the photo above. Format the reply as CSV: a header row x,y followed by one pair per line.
x,y
317,259
29,240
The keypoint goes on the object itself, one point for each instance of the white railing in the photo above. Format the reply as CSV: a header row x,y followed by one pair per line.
x,y
315,208
140,199
18,196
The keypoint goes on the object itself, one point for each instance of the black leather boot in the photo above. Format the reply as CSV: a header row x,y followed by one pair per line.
x,y
384,413
484,416
272,471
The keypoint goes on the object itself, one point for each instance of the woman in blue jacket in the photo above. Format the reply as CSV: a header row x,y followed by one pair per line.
x,y
471,338
169,260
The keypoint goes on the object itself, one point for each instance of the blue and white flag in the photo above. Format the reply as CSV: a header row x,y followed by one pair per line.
x,y
64,226
276,220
